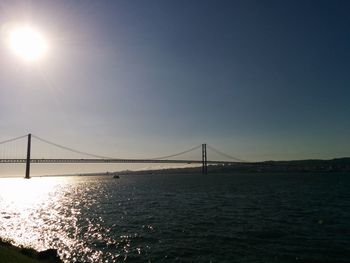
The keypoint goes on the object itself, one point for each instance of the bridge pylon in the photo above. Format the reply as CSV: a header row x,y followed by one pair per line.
x,y
204,159
27,175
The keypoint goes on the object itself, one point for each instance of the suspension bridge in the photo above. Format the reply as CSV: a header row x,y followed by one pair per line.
x,y
92,158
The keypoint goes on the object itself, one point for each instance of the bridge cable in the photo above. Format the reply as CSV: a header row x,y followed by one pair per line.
x,y
14,139
225,154
177,154
105,157
71,149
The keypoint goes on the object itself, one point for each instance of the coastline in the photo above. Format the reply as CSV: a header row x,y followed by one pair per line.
x,y
18,254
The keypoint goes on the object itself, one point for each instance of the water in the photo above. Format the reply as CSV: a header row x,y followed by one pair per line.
x,y
182,218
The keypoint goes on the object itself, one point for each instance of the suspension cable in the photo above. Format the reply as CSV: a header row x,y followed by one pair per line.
x,y
225,154
105,157
177,154
71,149
14,139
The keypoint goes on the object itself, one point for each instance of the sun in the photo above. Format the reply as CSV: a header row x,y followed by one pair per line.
x,y
27,43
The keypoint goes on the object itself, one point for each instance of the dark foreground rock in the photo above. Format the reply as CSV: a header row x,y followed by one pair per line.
x,y
49,255
11,253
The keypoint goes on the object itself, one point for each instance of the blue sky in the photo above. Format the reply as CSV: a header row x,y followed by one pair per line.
x,y
257,79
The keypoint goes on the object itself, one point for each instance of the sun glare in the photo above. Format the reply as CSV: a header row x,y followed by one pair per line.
x,y
27,43
26,193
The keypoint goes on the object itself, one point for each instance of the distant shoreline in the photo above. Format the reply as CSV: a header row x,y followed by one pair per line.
x,y
297,166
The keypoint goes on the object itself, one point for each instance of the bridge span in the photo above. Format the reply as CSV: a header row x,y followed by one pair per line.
x,y
101,159
111,161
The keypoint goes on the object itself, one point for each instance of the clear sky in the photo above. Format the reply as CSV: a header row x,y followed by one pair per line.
x,y
256,79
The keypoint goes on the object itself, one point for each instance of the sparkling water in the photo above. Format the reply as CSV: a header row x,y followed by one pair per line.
x,y
181,218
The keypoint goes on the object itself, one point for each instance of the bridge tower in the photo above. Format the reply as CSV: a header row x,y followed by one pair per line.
x,y
204,159
27,176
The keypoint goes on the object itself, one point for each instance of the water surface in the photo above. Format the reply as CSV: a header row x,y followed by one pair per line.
x,y
182,218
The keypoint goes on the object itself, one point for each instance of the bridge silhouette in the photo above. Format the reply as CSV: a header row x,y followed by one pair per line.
x,y
103,159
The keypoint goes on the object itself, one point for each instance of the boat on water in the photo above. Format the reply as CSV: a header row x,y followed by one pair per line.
x,y
115,175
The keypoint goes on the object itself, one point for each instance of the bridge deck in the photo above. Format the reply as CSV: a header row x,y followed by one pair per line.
x,y
110,161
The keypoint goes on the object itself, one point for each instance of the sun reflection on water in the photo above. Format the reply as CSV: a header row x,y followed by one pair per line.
x,y
46,213
23,193
26,207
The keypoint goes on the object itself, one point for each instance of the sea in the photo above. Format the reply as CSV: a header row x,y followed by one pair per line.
x,y
302,217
